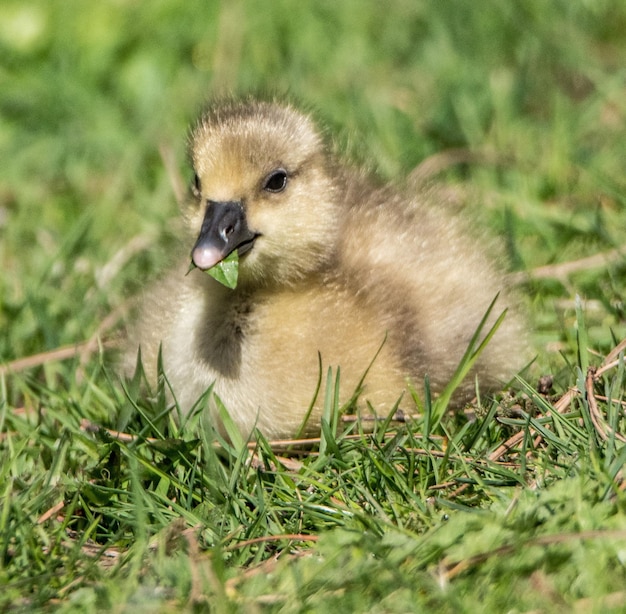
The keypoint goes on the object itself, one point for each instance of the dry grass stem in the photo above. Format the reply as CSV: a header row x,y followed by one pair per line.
x,y
273,538
112,268
62,353
51,512
175,178
437,163
455,568
563,270
602,428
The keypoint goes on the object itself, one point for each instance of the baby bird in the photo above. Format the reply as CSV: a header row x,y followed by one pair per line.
x,y
333,267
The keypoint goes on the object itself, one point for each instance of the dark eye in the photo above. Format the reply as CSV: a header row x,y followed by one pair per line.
x,y
276,181
196,188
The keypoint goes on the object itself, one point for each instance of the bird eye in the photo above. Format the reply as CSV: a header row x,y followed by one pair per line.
x,y
276,181
196,188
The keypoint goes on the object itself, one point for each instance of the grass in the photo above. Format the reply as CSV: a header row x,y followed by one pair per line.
x,y
109,504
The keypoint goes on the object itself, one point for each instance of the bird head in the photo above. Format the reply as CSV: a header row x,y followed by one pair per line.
x,y
263,186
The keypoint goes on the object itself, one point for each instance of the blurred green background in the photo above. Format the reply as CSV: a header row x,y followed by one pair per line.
x,y
520,105
89,92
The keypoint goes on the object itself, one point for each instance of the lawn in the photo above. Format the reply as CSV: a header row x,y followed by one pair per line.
x,y
518,110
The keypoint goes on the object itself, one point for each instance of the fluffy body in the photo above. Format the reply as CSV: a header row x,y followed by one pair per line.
x,y
340,268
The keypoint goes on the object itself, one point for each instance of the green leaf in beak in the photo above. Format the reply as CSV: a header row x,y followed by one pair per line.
x,y
226,271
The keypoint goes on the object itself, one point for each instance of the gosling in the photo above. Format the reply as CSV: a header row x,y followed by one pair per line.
x,y
334,269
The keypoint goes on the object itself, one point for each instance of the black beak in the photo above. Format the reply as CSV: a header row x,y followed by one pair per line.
x,y
224,229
